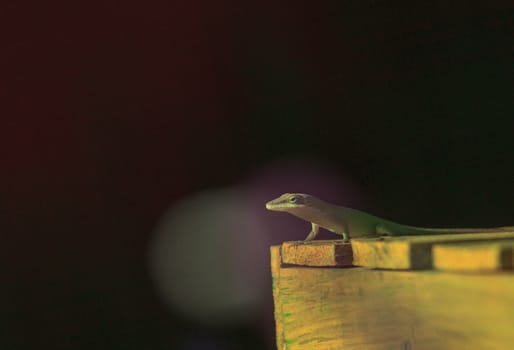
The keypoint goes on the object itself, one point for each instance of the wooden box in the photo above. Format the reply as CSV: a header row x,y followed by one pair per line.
x,y
430,292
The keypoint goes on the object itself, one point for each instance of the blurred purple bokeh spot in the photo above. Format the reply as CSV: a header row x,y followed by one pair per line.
x,y
208,259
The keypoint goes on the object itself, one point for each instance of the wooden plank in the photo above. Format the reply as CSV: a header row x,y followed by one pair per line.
x,y
366,309
411,252
276,261
317,253
474,257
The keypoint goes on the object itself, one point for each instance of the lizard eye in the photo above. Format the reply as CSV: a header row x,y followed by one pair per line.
x,y
293,199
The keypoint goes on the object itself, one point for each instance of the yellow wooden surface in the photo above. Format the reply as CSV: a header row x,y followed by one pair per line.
x,y
276,261
474,257
317,253
411,252
364,309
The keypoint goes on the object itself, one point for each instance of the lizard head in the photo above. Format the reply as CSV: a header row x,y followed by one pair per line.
x,y
290,202
305,207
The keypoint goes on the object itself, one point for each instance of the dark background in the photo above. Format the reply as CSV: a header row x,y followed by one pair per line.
x,y
112,110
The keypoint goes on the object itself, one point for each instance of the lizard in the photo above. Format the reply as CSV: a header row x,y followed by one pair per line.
x,y
350,222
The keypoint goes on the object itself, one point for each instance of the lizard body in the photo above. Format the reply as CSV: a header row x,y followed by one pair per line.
x,y
351,222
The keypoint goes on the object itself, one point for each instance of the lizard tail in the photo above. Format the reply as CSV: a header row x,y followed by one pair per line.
x,y
394,229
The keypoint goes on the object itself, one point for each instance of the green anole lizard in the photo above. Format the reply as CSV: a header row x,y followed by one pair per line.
x,y
350,222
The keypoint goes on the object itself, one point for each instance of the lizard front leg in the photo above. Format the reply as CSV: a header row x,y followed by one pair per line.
x,y
346,233
313,233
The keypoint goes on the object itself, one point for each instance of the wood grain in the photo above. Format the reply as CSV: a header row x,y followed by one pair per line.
x,y
317,253
276,261
363,309
474,257
411,252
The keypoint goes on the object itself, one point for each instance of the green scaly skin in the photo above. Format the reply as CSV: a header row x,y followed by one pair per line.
x,y
353,223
